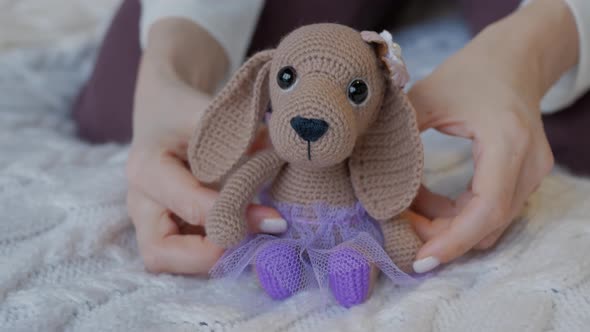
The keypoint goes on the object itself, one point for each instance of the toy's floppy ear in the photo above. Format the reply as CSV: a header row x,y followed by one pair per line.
x,y
229,124
386,164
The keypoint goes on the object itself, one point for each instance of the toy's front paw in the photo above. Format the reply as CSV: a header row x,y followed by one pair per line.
x,y
401,243
279,270
224,229
349,275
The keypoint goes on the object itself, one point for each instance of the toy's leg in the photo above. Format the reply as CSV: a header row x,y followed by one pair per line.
x,y
401,242
350,276
279,270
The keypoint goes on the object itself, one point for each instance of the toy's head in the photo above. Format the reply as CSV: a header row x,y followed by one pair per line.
x,y
334,94
326,88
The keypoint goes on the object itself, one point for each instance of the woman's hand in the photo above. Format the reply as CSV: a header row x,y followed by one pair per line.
x,y
166,203
490,93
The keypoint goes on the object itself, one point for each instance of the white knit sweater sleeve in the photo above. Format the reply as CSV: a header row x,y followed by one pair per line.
x,y
230,22
575,82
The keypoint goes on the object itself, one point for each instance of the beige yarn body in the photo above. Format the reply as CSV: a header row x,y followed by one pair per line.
x,y
370,153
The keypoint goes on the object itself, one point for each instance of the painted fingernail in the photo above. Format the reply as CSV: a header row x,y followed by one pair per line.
x,y
273,225
426,264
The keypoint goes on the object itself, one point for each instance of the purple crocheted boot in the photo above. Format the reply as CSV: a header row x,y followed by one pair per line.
x,y
279,270
349,275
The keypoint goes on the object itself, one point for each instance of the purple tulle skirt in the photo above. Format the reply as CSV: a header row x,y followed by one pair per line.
x,y
320,247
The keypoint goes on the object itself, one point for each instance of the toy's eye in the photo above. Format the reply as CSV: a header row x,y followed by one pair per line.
x,y
357,91
286,77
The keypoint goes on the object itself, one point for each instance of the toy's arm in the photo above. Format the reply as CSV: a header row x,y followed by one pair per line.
x,y
401,242
225,224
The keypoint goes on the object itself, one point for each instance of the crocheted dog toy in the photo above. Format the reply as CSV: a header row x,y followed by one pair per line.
x,y
346,163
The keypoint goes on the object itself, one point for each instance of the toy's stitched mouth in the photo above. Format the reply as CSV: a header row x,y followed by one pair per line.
x,y
309,129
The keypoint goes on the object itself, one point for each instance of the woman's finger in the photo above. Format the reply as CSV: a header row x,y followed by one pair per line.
x,y
433,205
184,254
427,110
162,247
537,165
167,181
263,219
490,240
498,165
427,230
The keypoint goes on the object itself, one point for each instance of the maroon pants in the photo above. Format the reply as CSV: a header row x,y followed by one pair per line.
x,y
103,110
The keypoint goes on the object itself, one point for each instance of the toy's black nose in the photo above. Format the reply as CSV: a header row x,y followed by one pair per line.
x,y
309,129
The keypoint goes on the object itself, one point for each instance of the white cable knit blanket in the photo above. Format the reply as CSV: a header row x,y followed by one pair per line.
x,y
69,262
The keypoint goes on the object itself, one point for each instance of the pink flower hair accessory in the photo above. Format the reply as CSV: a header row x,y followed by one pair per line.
x,y
391,54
